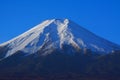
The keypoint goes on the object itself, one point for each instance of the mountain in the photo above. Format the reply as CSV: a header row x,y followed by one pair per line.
x,y
54,34
59,48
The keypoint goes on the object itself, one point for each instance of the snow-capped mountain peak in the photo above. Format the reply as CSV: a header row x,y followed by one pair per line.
x,y
54,34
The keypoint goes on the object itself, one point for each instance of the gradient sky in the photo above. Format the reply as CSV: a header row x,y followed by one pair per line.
x,y
102,17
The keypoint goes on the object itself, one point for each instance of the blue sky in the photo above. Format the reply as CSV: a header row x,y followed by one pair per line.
x,y
102,17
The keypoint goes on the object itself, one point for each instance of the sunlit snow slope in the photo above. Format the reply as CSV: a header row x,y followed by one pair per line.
x,y
54,34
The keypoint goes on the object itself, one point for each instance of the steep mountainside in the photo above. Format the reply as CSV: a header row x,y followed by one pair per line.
x,y
56,34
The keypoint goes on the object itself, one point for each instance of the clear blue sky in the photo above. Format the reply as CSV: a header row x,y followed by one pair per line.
x,y
102,17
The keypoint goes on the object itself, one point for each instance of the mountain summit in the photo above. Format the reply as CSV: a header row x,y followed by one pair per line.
x,y
56,34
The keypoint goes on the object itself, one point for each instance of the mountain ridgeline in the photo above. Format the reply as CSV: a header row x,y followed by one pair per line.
x,y
59,49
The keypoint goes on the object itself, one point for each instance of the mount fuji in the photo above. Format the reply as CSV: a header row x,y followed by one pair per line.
x,y
58,46
54,34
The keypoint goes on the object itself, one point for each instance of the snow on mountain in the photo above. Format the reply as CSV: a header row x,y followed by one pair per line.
x,y
54,34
